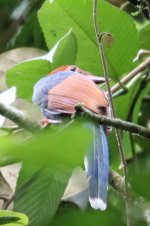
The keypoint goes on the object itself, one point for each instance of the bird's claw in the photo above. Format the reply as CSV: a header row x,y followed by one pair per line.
x,y
46,122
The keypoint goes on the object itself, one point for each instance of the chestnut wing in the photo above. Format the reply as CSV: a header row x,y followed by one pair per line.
x,y
73,90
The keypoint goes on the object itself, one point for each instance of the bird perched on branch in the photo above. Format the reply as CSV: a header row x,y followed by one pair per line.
x,y
57,95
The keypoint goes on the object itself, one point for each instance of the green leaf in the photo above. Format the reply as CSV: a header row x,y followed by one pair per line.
x,y
137,109
71,215
10,218
39,192
144,37
140,185
5,4
77,15
66,147
139,175
26,74
143,119
49,158
122,106
66,52
124,110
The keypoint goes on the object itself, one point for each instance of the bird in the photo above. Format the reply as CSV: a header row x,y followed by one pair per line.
x,y
57,94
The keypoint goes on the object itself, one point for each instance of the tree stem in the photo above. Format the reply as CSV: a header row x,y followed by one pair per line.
x,y
20,118
118,136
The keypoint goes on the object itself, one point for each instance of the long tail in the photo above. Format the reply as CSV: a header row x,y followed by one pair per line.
x,y
97,168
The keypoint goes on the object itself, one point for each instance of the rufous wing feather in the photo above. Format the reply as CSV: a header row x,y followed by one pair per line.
x,y
73,90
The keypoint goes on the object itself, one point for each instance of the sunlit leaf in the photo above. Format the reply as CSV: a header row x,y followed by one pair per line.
x,y
78,16
10,218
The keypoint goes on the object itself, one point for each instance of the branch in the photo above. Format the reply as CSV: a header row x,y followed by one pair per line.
x,y
28,123
131,75
20,118
116,181
114,122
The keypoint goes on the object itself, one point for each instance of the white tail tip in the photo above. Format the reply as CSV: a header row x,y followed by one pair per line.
x,y
97,203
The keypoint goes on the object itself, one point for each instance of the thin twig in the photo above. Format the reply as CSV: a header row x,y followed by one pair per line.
x,y
8,202
131,75
118,136
127,86
20,118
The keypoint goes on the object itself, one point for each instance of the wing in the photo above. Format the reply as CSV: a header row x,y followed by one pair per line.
x,y
73,90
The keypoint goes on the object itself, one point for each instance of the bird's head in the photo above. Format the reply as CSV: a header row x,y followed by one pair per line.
x,y
77,70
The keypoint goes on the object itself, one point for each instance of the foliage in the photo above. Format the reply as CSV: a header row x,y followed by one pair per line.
x,y
50,156
10,218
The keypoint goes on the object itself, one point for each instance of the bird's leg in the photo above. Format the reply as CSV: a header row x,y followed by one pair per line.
x,y
47,122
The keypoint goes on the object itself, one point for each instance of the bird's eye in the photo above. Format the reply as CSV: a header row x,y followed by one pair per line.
x,y
72,68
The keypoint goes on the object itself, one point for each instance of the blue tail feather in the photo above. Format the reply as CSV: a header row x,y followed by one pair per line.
x,y
97,168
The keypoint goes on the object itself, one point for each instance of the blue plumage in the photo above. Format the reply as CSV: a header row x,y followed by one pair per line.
x,y
42,87
97,168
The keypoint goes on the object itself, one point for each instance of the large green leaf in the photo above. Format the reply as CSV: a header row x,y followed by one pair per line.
x,y
49,158
26,74
49,148
71,215
38,194
56,17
